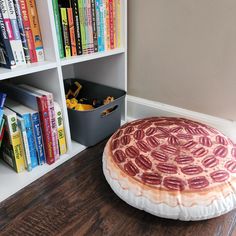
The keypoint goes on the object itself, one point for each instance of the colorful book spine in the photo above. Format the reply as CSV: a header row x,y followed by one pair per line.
x,y
75,8
28,31
38,138
52,116
6,55
22,30
35,27
100,19
111,24
71,31
107,23
2,131
21,125
16,32
65,31
60,129
94,25
2,99
89,27
47,131
118,23
35,102
12,148
7,21
114,23
82,25
58,28
30,137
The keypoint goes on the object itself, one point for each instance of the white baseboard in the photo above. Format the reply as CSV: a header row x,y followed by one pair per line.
x,y
140,108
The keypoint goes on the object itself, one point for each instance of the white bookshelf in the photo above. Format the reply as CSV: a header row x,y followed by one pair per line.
x,y
108,68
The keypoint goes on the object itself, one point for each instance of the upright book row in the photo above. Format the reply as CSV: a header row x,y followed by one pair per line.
x,y
34,130
87,26
20,37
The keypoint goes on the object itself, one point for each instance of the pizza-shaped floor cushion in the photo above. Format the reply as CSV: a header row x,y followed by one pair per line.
x,y
172,167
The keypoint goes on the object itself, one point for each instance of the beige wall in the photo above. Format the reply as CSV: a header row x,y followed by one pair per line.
x,y
183,53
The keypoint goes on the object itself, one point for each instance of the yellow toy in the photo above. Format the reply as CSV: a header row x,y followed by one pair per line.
x,y
74,90
83,107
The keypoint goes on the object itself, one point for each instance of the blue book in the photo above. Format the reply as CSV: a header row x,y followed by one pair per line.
x,y
38,137
2,99
25,113
1,115
101,36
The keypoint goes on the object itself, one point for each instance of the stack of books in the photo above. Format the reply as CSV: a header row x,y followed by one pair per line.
x,y
20,37
87,26
34,130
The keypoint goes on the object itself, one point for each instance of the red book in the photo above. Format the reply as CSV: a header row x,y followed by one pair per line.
x,y
111,23
28,30
46,128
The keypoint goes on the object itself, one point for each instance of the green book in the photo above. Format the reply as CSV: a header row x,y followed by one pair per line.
x,y
82,25
58,27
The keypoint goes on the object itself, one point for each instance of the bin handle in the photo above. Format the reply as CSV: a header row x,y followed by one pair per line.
x,y
108,111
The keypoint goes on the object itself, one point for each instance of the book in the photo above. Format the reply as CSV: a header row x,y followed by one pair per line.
x,y
35,102
60,129
28,31
71,31
57,21
35,27
82,25
16,33
52,116
21,125
65,32
88,26
6,55
7,21
22,30
25,113
111,23
114,23
12,148
2,130
118,23
75,8
2,99
94,25
107,25
99,24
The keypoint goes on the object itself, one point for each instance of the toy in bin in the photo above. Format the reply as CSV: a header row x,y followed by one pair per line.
x,y
94,110
83,104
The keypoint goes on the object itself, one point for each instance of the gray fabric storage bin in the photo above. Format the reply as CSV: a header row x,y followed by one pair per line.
x,y
90,127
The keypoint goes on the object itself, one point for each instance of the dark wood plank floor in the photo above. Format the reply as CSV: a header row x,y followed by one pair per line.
x,y
75,199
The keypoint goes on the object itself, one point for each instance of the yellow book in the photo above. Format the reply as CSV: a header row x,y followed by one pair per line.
x,y
118,24
60,129
12,148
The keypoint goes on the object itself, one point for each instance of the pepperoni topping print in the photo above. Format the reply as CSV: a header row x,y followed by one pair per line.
x,y
173,154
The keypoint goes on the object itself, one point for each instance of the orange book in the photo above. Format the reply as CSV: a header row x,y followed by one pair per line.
x,y
34,25
71,31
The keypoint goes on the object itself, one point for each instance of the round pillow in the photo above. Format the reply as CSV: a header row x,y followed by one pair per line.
x,y
172,167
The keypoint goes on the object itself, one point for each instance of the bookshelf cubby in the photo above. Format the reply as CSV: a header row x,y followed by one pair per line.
x,y
108,68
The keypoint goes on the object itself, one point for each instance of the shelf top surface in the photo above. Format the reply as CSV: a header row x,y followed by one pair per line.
x,y
92,56
26,69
